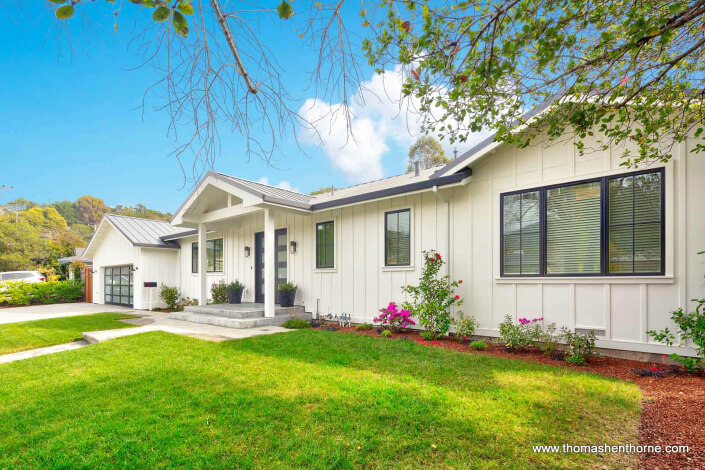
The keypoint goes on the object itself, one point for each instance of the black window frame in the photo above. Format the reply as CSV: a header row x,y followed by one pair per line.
x,y
318,245
604,227
386,244
194,256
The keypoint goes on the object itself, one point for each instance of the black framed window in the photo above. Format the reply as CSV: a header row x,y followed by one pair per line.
x,y
214,256
397,238
325,245
606,226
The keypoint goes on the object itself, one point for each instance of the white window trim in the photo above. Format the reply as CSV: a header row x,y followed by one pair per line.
x,y
412,239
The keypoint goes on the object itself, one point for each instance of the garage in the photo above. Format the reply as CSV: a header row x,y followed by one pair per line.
x,y
119,285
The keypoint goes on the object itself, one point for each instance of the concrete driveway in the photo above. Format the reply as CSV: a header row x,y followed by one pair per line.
x,y
40,312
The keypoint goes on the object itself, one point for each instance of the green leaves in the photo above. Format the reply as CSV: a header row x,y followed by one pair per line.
x,y
64,12
185,7
161,14
284,10
180,24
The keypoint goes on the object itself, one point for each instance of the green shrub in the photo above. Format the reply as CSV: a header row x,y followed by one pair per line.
x,y
433,298
691,326
237,285
385,333
576,360
427,335
286,287
24,293
170,296
296,324
219,293
580,348
478,345
547,341
464,326
363,327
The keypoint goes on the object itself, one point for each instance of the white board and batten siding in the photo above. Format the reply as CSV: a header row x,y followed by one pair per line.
x,y
113,250
623,307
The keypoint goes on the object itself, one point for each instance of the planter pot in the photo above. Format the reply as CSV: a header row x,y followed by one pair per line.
x,y
234,296
287,298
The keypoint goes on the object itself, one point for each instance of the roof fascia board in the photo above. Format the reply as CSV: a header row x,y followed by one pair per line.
x,y
425,185
95,234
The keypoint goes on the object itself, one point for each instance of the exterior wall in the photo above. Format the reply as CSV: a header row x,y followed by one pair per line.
x,y
625,307
113,250
158,265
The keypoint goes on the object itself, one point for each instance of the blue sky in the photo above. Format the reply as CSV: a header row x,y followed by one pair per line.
x,y
71,127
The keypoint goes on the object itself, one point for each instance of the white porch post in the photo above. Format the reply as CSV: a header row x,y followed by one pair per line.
x,y
202,265
269,307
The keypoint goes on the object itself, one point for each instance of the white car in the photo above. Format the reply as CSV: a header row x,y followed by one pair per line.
x,y
26,276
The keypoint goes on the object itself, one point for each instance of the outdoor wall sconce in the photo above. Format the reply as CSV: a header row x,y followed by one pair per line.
x,y
135,268
292,247
247,252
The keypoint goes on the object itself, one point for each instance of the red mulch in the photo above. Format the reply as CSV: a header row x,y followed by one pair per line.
x,y
673,407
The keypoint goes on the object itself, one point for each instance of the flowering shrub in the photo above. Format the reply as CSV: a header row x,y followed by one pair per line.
x,y
432,299
522,335
464,326
393,318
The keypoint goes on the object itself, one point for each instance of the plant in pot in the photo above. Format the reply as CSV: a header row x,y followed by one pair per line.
x,y
287,294
234,291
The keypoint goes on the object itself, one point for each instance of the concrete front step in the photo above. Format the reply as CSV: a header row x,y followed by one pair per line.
x,y
240,323
225,312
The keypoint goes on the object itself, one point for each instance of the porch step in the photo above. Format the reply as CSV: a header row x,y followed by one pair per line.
x,y
216,317
251,312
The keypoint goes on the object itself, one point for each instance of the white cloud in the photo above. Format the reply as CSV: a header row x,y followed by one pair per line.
x,y
282,184
377,123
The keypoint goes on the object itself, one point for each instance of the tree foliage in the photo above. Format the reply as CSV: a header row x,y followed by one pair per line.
x,y
622,71
91,209
428,151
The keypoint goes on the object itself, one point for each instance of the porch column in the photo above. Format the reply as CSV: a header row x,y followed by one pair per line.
x,y
202,265
269,307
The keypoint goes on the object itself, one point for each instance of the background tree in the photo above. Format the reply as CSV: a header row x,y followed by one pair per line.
x,y
91,209
68,211
325,189
623,71
428,151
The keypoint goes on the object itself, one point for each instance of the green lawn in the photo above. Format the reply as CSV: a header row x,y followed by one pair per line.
x,y
40,333
307,398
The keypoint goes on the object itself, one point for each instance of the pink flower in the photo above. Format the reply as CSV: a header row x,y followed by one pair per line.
x,y
653,369
460,281
434,342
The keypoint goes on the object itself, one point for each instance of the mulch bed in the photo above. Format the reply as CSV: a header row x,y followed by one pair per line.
x,y
673,406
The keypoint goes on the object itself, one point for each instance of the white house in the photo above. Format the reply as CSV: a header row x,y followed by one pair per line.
x,y
532,232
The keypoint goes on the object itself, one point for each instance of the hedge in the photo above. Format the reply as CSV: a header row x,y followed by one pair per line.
x,y
51,292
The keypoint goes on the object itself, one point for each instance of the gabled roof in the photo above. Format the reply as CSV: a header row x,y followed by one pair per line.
x,y
144,232
266,192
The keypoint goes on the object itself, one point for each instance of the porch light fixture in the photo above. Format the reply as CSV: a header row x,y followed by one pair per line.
x,y
247,252
292,247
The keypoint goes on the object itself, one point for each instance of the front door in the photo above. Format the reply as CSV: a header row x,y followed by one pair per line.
x,y
280,267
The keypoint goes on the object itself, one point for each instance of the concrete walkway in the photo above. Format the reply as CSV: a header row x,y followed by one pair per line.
x,y
18,356
157,321
41,312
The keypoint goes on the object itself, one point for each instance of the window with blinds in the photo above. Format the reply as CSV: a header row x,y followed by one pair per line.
x,y
521,235
635,224
397,238
573,220
325,245
608,226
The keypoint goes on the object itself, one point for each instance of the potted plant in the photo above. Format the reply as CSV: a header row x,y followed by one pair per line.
x,y
287,294
234,290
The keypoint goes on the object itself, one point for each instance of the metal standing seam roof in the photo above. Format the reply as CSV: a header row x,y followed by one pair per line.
x,y
145,232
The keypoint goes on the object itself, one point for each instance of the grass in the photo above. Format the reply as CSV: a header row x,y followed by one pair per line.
x,y
311,399
22,336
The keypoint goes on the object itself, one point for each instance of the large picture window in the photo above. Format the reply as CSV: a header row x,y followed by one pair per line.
x,y
397,238
607,226
325,245
214,256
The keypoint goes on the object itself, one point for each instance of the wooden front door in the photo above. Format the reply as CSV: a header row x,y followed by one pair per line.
x,y
88,283
280,263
